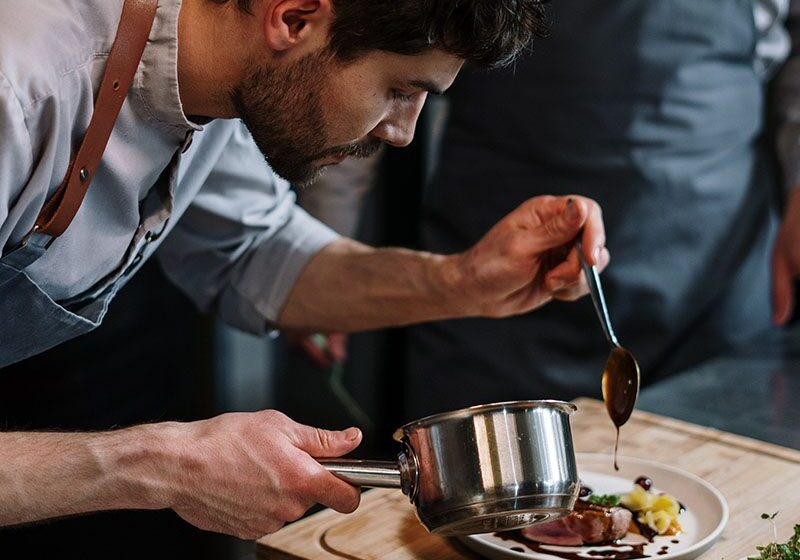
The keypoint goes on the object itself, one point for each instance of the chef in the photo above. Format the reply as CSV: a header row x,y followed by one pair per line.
x,y
119,137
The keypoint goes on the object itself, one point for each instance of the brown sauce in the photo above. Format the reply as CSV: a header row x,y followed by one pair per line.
x,y
619,391
619,551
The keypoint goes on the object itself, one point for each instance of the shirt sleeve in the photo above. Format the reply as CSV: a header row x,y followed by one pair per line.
x,y
15,151
787,101
243,241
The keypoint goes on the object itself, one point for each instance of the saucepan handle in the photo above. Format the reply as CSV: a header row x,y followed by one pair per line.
x,y
375,474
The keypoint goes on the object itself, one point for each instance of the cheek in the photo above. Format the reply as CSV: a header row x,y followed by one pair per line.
x,y
352,116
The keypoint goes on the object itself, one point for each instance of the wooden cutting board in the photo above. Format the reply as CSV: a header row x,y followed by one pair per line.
x,y
755,477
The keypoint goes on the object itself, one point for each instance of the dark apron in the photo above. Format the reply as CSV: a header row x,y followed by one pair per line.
x,y
651,107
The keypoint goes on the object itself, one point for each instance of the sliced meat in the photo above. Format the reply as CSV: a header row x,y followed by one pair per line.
x,y
586,524
552,532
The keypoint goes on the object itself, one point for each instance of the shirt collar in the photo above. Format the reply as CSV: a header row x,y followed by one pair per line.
x,y
156,82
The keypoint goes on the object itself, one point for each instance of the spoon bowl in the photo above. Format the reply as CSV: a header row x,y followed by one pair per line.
x,y
620,385
621,373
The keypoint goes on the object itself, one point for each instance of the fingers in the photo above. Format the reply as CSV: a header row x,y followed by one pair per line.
x,y
325,443
322,350
594,233
558,227
318,356
562,219
566,286
330,491
782,288
320,485
337,346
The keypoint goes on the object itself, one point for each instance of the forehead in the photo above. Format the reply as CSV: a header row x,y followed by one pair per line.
x,y
435,68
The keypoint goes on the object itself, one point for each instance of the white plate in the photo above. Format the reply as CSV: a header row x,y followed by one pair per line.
x,y
703,521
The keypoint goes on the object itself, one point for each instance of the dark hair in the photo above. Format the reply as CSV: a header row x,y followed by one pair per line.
x,y
487,32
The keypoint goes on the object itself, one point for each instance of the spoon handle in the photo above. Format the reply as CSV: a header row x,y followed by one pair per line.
x,y
598,299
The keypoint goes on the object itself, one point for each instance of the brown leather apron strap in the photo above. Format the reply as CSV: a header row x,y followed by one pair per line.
x,y
129,43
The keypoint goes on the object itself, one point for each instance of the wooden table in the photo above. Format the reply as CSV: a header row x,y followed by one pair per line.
x,y
755,477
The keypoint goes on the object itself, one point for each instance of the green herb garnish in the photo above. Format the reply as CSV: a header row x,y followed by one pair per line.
x,y
790,550
605,500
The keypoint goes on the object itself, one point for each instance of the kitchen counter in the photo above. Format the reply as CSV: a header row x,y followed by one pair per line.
x,y
753,391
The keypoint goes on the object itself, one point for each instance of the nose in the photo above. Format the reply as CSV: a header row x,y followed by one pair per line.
x,y
398,127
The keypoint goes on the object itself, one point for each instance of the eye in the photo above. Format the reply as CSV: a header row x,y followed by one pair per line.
x,y
400,96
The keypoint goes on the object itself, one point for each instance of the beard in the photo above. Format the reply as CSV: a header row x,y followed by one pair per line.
x,y
282,108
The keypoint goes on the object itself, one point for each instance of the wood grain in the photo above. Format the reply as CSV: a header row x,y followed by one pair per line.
x,y
754,476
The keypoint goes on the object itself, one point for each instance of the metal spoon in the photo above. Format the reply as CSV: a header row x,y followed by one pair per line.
x,y
621,374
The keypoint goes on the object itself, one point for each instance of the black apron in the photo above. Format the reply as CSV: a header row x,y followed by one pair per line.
x,y
653,108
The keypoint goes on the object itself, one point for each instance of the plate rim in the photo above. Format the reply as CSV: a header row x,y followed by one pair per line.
x,y
701,545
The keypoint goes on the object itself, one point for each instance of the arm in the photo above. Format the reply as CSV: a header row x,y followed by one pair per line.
x,y
526,260
242,241
245,249
44,475
241,474
337,200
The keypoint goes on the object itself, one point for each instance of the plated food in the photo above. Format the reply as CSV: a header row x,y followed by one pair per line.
x,y
607,519
669,514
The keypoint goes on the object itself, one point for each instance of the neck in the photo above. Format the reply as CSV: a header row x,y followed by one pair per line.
x,y
212,50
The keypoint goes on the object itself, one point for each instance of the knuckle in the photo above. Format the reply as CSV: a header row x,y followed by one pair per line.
x,y
270,526
273,416
245,534
294,512
323,437
307,480
517,246
554,228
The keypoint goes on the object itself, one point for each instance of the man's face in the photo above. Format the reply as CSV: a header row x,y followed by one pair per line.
x,y
315,111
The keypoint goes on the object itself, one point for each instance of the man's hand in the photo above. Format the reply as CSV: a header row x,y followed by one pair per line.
x,y
786,260
248,474
241,474
529,257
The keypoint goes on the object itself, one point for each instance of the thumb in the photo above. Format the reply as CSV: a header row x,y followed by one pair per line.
x,y
321,443
782,289
561,227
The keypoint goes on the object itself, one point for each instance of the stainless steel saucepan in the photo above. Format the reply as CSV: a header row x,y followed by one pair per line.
x,y
486,468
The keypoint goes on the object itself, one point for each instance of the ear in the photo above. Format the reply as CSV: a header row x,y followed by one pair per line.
x,y
289,23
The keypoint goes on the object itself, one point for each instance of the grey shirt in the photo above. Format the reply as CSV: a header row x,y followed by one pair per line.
x,y
236,240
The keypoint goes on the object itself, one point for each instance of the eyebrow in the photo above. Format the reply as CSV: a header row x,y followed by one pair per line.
x,y
430,87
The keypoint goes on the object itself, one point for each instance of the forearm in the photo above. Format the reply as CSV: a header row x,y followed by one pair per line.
x,y
46,475
349,286
524,261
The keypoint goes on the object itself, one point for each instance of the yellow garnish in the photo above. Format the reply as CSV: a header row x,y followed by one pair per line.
x,y
657,511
